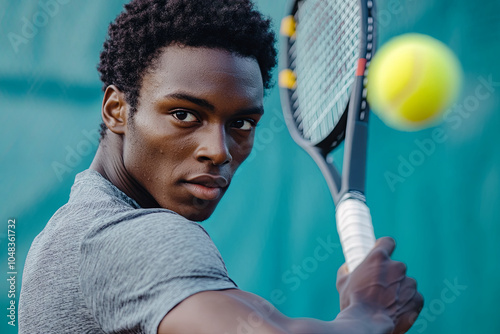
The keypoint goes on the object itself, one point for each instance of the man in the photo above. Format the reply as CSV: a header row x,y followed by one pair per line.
x,y
184,82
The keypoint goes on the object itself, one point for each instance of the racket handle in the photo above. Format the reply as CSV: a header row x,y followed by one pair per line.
x,y
354,225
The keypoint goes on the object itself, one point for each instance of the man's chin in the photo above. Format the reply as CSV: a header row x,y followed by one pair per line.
x,y
200,210
199,216
192,208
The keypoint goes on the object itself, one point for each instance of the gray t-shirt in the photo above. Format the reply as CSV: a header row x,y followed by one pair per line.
x,y
105,265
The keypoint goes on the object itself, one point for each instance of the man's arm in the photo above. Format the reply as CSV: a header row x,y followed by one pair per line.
x,y
234,311
376,298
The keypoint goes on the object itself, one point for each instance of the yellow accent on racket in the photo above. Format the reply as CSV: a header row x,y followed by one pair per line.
x,y
288,26
287,79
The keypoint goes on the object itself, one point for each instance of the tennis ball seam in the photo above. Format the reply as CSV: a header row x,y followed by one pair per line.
x,y
416,76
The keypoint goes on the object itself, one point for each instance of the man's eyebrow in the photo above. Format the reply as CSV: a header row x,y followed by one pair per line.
x,y
205,104
251,111
182,96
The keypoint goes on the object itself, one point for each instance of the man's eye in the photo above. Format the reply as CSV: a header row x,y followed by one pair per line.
x,y
243,124
185,116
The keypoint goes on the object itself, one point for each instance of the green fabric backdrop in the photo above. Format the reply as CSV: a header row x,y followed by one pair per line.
x,y
275,227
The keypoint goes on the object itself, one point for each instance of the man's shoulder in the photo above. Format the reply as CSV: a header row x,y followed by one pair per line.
x,y
146,225
92,200
96,200
94,196
96,205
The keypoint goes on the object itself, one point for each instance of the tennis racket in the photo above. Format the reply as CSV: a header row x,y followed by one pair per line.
x,y
327,45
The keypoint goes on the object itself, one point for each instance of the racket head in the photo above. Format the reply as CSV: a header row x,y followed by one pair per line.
x,y
321,51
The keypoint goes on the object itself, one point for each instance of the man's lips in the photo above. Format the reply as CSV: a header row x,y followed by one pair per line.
x,y
210,181
206,187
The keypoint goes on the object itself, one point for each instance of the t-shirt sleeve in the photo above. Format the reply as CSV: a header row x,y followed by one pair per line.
x,y
134,270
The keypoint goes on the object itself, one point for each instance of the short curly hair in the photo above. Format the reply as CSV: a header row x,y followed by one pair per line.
x,y
138,34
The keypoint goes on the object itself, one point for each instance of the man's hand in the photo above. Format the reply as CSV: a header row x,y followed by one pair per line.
x,y
379,286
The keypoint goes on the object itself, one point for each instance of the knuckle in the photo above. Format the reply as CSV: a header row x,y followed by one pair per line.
x,y
379,254
400,266
419,300
412,282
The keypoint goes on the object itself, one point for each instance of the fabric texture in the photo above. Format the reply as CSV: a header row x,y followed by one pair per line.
x,y
104,265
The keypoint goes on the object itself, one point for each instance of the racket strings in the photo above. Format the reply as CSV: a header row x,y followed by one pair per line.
x,y
324,57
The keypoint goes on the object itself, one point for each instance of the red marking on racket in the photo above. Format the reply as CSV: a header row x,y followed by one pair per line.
x,y
361,67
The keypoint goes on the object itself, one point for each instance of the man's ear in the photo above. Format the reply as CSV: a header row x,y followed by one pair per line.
x,y
114,110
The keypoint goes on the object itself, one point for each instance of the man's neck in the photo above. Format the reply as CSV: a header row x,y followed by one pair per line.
x,y
108,161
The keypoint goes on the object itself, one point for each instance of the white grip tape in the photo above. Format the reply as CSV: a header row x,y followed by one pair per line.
x,y
354,225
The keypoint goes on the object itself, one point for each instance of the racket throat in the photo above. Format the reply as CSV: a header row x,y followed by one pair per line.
x,y
352,195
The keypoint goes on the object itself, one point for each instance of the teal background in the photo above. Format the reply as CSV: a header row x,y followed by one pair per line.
x,y
443,210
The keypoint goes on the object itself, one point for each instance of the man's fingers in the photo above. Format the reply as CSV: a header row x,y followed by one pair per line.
x,y
342,270
413,305
408,290
387,244
381,251
409,315
409,312
342,278
342,275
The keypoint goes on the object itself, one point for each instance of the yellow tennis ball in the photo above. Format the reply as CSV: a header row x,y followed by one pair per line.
x,y
412,80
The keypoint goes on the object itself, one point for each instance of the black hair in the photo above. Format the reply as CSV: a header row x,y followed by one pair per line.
x,y
138,34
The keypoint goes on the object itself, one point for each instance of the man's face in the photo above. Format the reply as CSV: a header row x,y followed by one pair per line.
x,y
194,125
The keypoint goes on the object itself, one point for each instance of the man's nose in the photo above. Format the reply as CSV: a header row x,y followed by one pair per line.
x,y
213,146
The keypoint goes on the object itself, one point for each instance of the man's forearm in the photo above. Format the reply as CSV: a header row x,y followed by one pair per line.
x,y
353,320
236,311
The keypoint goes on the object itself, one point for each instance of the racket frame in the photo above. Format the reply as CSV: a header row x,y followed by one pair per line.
x,y
351,183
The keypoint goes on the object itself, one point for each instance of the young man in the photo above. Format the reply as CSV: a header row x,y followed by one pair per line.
x,y
184,83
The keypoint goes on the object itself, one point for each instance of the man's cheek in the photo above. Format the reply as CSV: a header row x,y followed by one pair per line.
x,y
245,149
